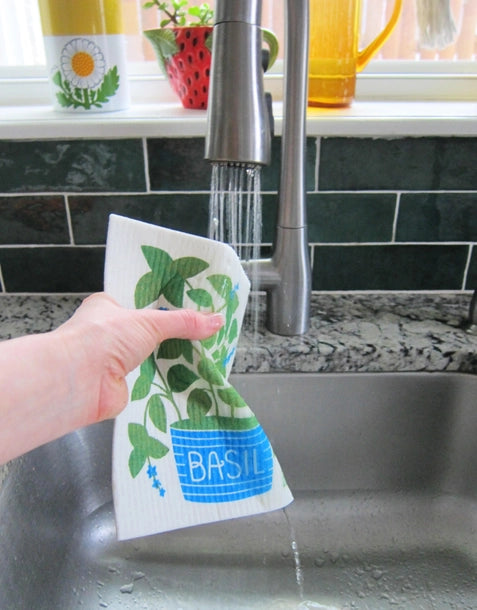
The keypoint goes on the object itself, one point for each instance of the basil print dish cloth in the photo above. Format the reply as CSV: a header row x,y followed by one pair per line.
x,y
187,449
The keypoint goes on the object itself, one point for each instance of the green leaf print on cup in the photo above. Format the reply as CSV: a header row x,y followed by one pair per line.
x,y
184,383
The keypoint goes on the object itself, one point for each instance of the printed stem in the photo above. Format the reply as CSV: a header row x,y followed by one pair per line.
x,y
168,394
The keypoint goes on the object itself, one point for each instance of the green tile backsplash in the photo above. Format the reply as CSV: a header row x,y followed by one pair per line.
x,y
383,214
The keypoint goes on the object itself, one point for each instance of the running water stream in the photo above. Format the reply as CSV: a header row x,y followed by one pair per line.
x,y
235,217
235,213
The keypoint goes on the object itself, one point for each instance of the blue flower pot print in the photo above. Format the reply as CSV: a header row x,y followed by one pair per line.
x,y
220,465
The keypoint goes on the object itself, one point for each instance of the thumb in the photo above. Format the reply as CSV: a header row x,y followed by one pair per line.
x,y
181,323
154,326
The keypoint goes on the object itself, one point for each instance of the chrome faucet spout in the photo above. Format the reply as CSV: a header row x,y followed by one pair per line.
x,y
238,122
238,132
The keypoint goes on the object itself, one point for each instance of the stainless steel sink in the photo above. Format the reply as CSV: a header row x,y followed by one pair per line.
x,y
384,471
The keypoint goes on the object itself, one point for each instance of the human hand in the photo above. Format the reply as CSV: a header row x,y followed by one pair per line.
x,y
56,382
113,341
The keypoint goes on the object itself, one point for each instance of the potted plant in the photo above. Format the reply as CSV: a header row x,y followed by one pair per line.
x,y
183,46
220,450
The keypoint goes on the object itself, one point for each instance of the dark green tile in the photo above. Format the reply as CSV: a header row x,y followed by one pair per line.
x,y
178,164
269,217
349,217
90,213
271,174
72,165
437,217
411,267
54,269
33,220
404,164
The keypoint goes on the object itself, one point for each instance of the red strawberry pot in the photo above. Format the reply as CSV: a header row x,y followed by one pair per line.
x,y
184,55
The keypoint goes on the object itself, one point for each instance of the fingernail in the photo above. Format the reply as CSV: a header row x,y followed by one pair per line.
x,y
215,319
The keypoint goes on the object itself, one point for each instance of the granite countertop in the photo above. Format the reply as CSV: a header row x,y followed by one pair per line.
x,y
349,332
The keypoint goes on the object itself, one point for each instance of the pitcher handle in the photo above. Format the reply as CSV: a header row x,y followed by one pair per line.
x,y
365,55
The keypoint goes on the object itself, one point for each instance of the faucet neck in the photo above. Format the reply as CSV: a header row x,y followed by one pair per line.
x,y
247,11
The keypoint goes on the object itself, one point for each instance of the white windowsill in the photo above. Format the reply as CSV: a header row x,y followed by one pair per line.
x,y
363,119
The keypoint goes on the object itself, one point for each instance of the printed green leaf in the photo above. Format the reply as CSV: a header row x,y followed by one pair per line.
x,y
200,297
170,349
158,260
157,412
147,290
189,266
137,434
198,404
174,291
148,367
233,332
141,387
210,341
137,459
222,284
109,86
231,397
63,100
145,444
208,371
155,448
233,303
56,79
179,378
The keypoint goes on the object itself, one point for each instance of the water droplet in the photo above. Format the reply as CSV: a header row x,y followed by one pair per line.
x,y
129,588
137,575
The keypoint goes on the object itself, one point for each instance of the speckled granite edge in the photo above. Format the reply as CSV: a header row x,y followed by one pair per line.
x,y
348,333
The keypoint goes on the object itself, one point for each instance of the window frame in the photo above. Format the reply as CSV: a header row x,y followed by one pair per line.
x,y
382,80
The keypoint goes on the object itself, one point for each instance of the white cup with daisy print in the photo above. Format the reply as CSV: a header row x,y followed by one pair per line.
x,y
86,54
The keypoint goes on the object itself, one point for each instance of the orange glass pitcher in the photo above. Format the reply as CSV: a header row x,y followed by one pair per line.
x,y
334,55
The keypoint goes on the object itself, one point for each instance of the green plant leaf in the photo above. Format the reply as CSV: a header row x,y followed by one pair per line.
x,y
137,459
173,291
189,266
147,290
170,349
157,412
208,371
231,397
179,378
222,284
164,44
200,297
198,404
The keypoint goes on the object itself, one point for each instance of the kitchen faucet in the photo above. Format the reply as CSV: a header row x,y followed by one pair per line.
x,y
238,133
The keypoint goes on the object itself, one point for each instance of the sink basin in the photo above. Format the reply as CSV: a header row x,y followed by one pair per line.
x,y
384,472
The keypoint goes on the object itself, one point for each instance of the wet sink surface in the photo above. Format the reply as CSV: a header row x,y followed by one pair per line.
x,y
384,473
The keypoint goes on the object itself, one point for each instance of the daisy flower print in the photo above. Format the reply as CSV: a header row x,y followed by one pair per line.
x,y
82,63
